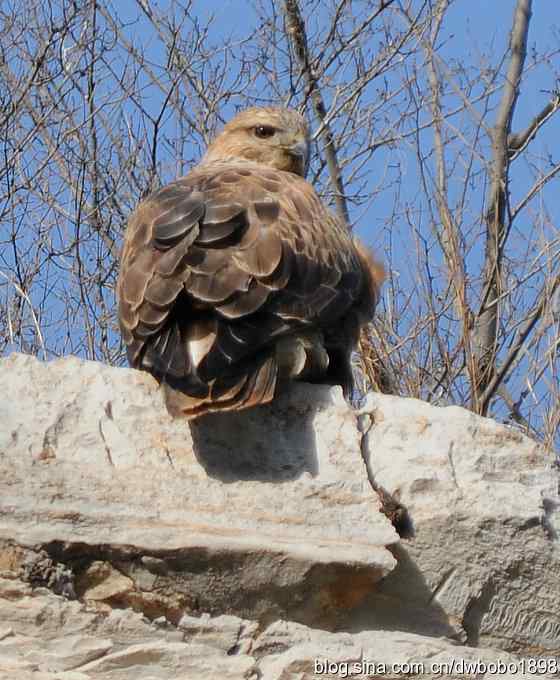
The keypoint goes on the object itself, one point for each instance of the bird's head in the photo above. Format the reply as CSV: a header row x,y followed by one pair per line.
x,y
276,137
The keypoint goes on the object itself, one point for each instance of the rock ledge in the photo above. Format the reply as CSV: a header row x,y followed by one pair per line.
x,y
133,545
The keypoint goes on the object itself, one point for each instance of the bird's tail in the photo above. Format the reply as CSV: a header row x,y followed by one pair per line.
x,y
252,385
191,360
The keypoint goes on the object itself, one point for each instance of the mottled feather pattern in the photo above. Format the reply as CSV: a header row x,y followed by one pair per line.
x,y
236,279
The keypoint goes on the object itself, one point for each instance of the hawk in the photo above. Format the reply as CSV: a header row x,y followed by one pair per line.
x,y
237,279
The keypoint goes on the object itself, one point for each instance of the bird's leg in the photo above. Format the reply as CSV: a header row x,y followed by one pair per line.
x,y
302,356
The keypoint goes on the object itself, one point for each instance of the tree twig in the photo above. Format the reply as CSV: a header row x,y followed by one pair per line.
x,y
520,337
517,142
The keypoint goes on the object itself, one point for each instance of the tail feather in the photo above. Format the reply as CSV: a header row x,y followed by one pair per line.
x,y
207,364
255,386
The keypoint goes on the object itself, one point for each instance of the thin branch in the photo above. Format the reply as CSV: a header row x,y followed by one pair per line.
x,y
520,337
534,190
296,32
25,296
517,142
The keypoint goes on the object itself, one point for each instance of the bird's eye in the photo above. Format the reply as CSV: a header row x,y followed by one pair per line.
x,y
264,131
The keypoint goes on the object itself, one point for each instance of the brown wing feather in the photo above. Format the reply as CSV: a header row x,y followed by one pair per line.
x,y
219,266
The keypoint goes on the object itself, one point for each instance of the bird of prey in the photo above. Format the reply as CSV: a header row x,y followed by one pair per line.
x,y
236,279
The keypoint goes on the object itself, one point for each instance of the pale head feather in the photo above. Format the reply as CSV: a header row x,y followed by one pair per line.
x,y
275,137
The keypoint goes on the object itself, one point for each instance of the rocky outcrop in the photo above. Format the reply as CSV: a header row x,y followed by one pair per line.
x,y
252,544
482,553
67,640
263,514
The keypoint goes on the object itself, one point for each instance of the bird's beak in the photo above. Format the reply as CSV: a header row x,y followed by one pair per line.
x,y
300,150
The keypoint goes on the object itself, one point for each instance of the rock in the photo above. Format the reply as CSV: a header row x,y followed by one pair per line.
x,y
284,650
60,654
264,514
251,545
51,634
165,659
227,633
100,581
482,561
289,650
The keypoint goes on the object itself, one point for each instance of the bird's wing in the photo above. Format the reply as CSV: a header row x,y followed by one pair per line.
x,y
219,265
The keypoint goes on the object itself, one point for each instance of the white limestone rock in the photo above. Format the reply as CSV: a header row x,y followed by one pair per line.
x,y
49,629
482,561
51,638
289,651
137,546
264,513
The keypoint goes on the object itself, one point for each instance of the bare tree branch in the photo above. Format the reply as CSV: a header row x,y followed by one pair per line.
x,y
520,338
296,31
485,332
517,142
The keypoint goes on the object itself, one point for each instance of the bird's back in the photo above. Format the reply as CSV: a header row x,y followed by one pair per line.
x,y
235,279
